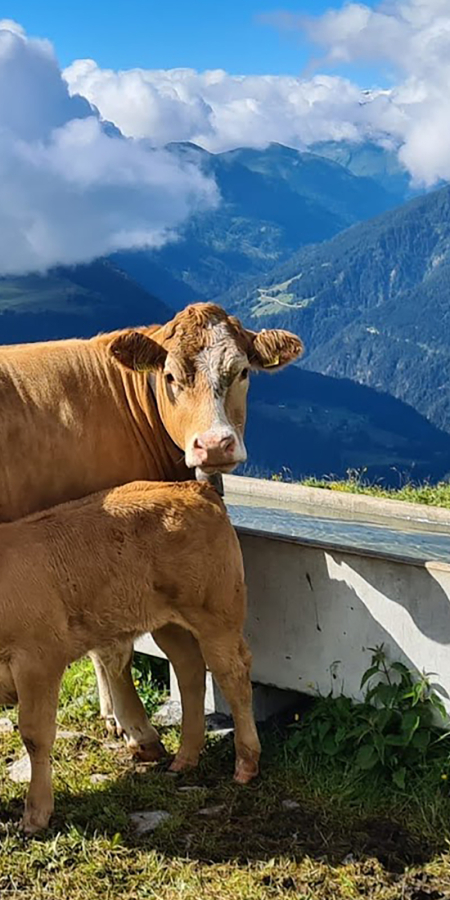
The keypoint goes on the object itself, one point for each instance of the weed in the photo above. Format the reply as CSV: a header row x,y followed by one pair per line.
x,y
394,730
151,679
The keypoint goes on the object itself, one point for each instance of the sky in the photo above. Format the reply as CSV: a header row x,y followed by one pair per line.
x,y
92,94
199,34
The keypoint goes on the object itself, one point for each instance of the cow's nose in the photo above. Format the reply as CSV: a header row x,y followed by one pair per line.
x,y
207,446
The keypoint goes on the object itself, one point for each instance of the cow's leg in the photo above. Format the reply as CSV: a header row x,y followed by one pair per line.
x,y
37,691
104,693
229,659
184,653
142,739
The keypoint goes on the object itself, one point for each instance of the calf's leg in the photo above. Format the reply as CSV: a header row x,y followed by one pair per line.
x,y
229,659
37,691
142,739
104,693
184,653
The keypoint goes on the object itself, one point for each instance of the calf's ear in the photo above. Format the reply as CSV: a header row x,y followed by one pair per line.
x,y
134,350
273,349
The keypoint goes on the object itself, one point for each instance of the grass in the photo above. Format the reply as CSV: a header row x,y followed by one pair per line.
x,y
428,494
351,835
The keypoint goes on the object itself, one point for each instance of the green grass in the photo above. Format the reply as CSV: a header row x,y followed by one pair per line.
x,y
428,494
352,835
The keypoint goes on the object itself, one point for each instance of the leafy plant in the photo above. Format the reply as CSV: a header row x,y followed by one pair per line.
x,y
393,730
151,680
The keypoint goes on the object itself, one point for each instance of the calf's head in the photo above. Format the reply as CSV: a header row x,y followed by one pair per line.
x,y
198,367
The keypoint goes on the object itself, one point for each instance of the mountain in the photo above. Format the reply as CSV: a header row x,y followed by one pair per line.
x,y
302,423
299,423
274,201
370,160
372,304
74,302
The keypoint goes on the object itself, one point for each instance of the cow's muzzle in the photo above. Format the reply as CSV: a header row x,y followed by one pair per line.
x,y
215,451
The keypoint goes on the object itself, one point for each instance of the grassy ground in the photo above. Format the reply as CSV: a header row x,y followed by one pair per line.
x,y
429,494
351,835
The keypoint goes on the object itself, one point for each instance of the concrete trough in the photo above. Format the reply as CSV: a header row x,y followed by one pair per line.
x,y
329,577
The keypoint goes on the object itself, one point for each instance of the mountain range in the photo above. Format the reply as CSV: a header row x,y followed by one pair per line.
x,y
372,304
273,202
323,245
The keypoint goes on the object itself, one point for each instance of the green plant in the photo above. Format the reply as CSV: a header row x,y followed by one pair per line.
x,y
394,730
151,680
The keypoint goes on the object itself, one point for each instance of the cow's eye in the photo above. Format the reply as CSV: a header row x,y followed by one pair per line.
x,y
244,374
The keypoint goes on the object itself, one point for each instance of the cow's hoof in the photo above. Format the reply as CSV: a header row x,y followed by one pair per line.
x,y
182,763
245,771
152,752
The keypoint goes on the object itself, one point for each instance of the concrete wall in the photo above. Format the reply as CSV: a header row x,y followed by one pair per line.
x,y
315,612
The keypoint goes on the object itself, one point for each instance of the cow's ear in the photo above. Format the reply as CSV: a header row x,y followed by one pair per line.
x,y
136,351
273,349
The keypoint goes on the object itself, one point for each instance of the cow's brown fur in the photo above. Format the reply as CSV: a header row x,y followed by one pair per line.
x,y
79,416
96,572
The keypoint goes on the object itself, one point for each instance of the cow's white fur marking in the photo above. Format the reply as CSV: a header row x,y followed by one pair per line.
x,y
221,361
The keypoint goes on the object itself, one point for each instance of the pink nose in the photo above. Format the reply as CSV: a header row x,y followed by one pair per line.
x,y
209,449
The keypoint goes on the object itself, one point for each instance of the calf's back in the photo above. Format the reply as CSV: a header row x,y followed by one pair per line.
x,y
118,564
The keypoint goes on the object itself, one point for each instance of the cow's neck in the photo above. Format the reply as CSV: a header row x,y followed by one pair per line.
x,y
163,460
73,423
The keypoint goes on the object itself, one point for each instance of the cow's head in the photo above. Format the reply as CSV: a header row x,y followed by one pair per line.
x,y
198,367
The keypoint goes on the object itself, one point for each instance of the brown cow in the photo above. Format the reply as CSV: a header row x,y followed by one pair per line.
x,y
103,570
79,416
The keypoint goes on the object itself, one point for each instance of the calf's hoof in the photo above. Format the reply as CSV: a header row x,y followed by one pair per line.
x,y
151,752
246,770
34,820
181,763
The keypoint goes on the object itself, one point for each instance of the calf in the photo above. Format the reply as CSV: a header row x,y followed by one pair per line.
x,y
98,572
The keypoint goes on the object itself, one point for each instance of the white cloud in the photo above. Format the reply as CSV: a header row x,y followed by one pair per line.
x,y
413,38
221,111
72,188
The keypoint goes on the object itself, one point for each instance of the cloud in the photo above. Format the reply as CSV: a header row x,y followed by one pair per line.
x,y
221,111
217,110
413,38
72,188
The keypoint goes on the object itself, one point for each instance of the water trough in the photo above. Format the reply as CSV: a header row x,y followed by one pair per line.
x,y
329,576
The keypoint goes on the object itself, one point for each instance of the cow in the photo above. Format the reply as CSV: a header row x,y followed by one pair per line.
x,y
105,569
154,403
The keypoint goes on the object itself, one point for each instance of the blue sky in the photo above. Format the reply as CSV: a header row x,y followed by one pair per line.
x,y
202,34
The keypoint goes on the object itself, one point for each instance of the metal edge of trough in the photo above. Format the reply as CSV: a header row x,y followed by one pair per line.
x,y
401,510
347,549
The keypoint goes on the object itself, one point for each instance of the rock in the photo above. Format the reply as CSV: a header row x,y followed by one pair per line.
x,y
20,770
6,726
99,778
290,805
144,822
63,735
143,768
219,724
212,812
222,732
169,714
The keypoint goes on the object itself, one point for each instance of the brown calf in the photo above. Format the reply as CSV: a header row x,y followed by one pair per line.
x,y
97,573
